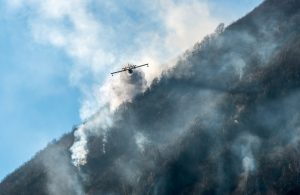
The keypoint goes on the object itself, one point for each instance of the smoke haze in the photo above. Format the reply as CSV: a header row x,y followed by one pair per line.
x,y
223,120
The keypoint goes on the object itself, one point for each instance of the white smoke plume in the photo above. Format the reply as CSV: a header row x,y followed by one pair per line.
x,y
245,147
123,89
101,120
141,140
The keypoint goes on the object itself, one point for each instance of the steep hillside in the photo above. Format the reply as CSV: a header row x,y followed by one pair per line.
x,y
224,120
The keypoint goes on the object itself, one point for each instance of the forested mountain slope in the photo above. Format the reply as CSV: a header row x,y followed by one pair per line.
x,y
224,120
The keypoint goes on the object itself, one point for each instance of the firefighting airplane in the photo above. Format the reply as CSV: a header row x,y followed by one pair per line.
x,y
129,68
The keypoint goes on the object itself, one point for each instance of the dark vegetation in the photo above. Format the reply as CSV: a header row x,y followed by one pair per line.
x,y
224,120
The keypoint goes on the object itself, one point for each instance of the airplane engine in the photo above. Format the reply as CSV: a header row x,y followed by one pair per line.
x,y
130,71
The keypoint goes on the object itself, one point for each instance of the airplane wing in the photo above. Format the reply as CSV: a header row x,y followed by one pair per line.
x,y
129,68
112,74
137,66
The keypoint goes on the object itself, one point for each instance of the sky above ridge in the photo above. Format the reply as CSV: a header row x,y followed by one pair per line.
x,y
53,55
